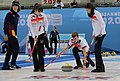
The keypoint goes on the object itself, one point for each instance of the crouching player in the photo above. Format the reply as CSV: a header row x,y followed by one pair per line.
x,y
80,44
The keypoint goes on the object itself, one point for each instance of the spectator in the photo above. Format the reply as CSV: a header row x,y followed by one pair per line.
x,y
117,3
74,4
59,4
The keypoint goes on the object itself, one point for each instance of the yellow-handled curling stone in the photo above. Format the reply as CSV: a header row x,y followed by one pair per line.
x,y
67,67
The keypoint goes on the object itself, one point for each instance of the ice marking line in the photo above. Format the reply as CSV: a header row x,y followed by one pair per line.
x,y
72,77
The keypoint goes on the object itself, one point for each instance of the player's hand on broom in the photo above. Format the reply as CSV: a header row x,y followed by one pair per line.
x,y
93,36
46,33
100,35
84,63
35,38
84,59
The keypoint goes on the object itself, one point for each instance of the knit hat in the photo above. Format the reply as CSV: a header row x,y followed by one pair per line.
x,y
15,3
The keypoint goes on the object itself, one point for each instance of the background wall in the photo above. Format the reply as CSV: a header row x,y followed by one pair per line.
x,y
68,20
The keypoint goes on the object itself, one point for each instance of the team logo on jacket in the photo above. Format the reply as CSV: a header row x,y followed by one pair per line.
x,y
13,15
37,19
94,18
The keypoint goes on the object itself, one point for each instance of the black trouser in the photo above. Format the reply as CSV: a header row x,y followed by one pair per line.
x,y
77,57
98,56
55,43
38,53
31,42
47,44
12,49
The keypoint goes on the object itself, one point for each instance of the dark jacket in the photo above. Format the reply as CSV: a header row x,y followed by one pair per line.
x,y
53,35
10,23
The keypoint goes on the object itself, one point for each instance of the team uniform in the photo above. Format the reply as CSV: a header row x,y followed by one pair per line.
x,y
38,24
99,33
10,24
98,24
45,24
78,46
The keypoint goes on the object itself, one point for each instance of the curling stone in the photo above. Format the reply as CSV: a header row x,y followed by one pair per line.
x,y
113,53
67,68
105,54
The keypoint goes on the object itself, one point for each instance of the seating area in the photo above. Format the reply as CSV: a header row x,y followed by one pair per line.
x,y
6,4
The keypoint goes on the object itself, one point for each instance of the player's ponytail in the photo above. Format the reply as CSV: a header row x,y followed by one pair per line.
x,y
92,8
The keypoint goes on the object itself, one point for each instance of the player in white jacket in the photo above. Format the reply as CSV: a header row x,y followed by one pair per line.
x,y
46,38
79,44
99,32
38,26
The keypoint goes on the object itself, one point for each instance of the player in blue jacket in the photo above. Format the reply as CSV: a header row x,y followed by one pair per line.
x,y
10,31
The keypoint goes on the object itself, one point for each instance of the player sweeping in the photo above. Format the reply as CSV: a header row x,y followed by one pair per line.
x,y
36,21
45,24
99,32
80,44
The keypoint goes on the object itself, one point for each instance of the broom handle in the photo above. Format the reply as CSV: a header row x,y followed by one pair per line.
x,y
58,55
